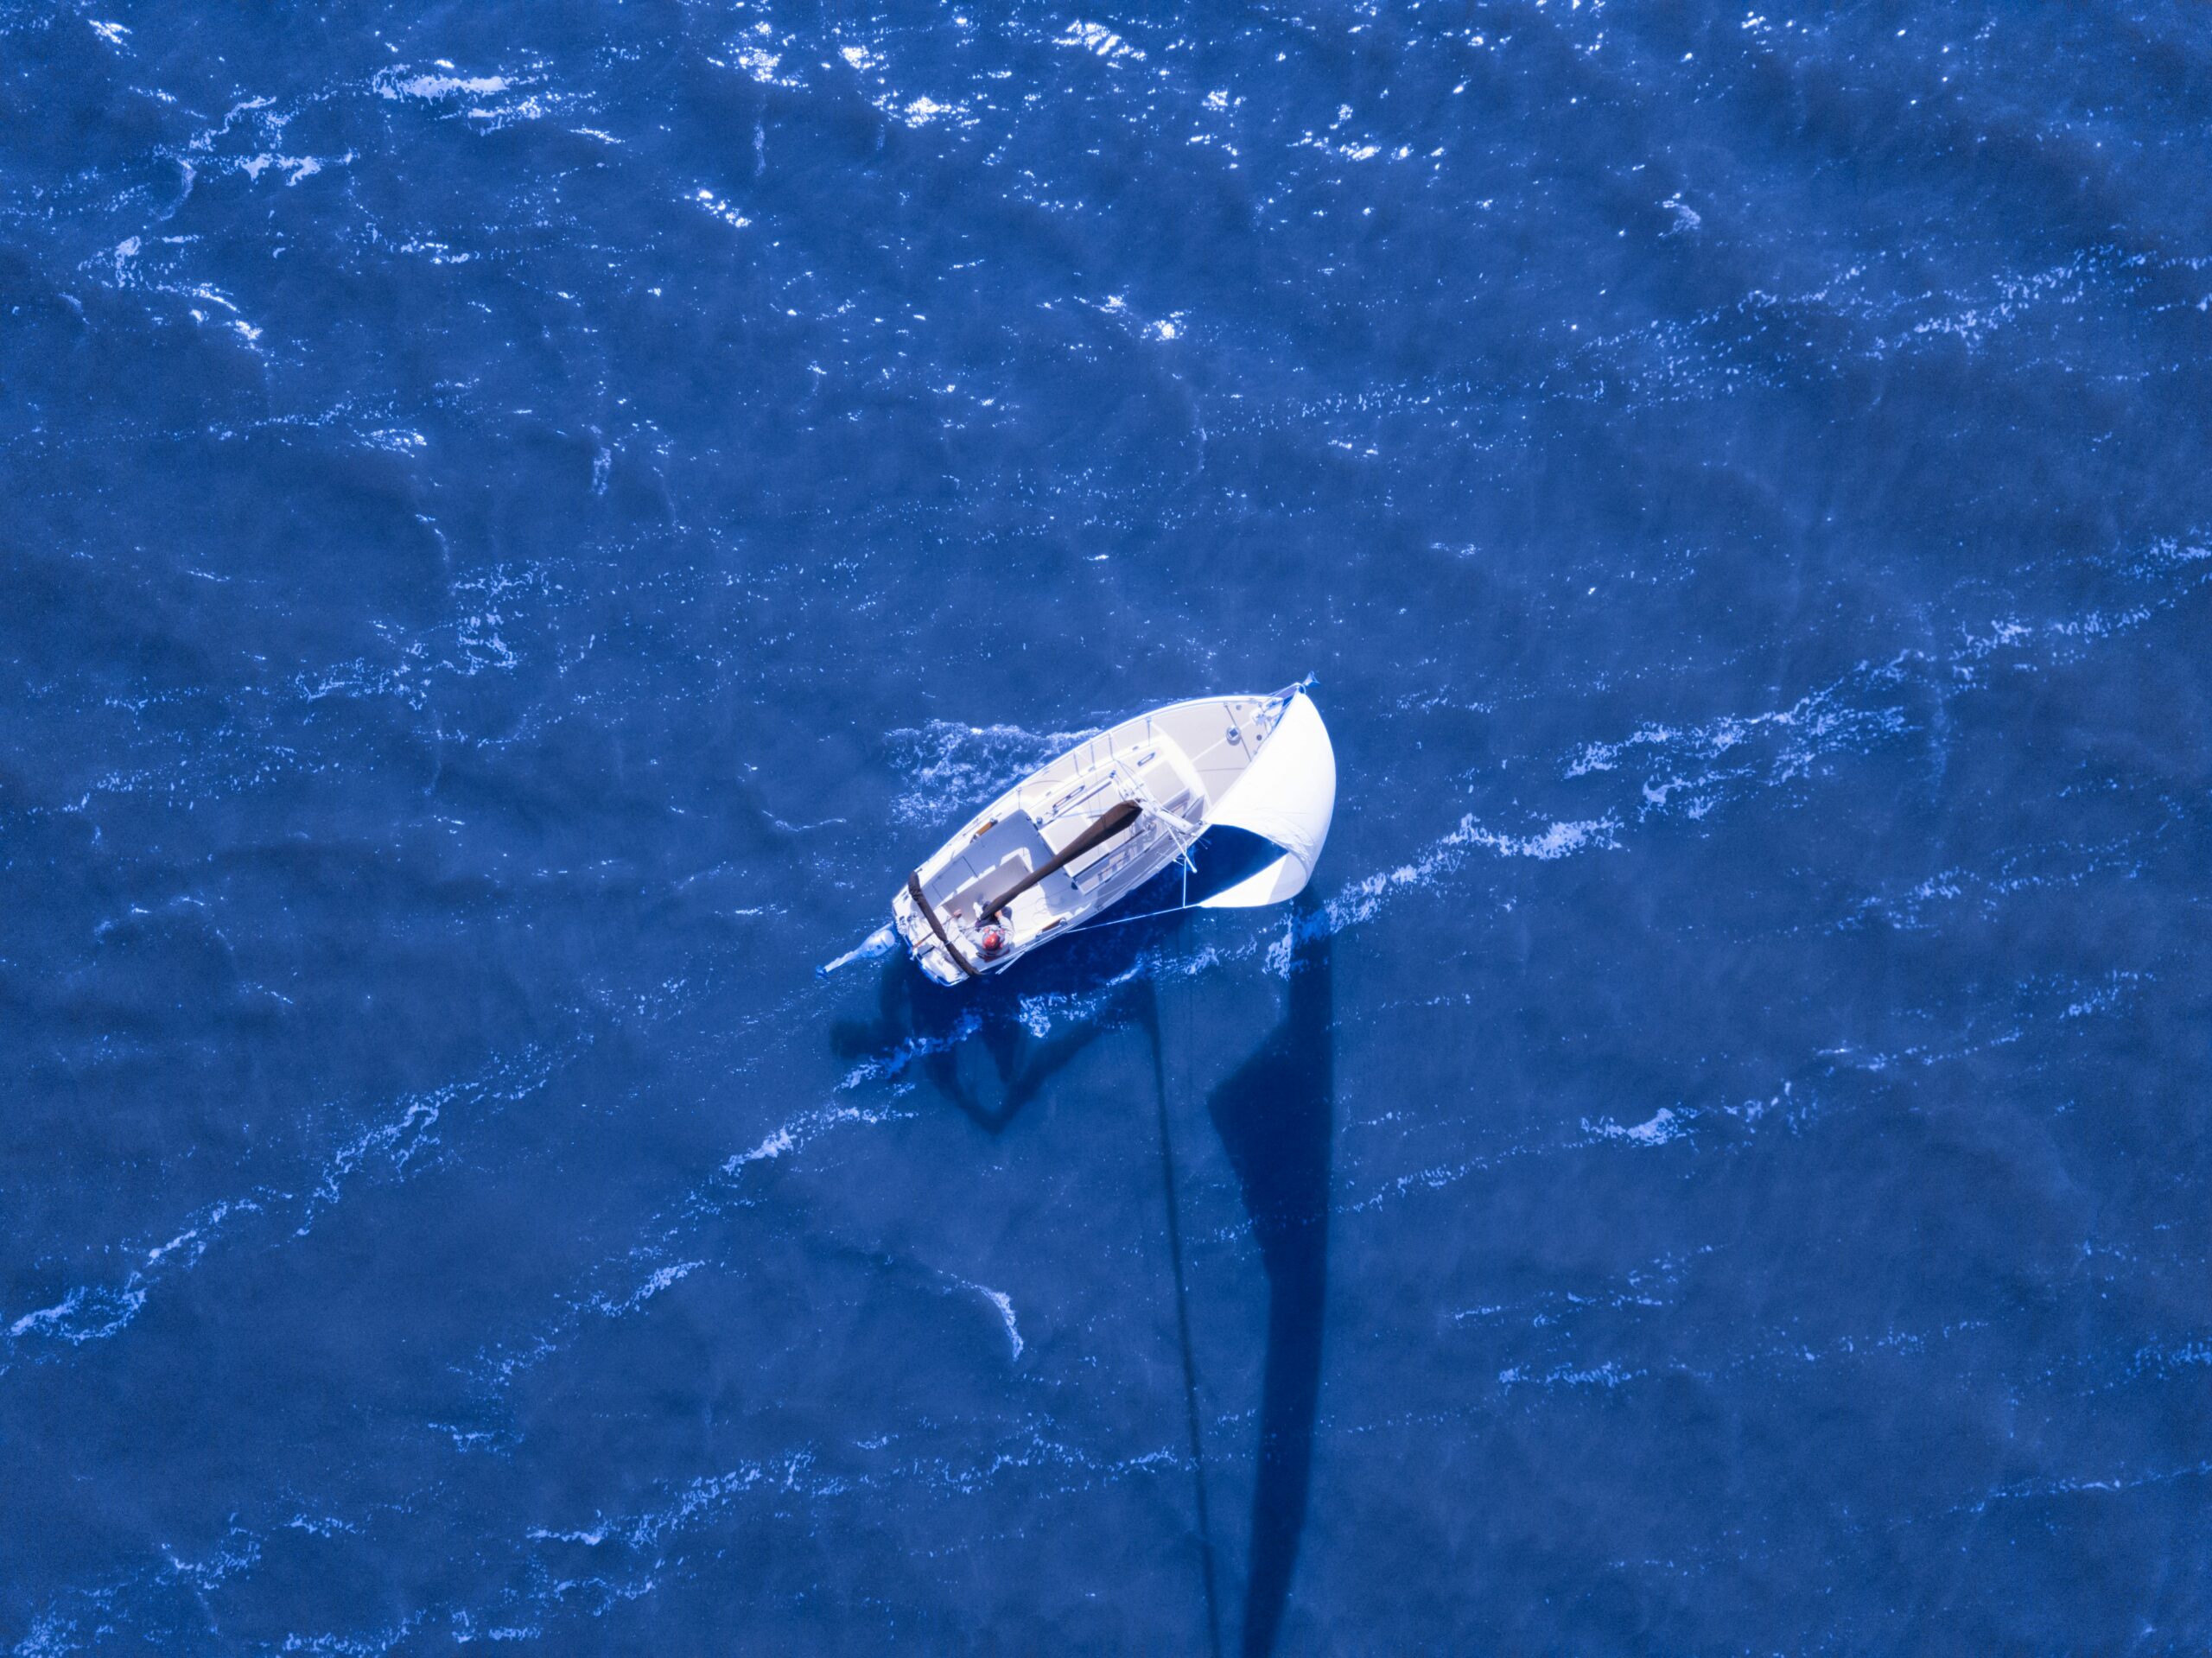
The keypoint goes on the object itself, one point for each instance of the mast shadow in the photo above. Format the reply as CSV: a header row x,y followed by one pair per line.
x,y
1275,1115
928,1025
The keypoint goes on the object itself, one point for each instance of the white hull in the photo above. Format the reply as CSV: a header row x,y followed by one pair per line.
x,y
1073,839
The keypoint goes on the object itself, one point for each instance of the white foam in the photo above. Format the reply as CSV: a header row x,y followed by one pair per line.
x,y
591,1539
1557,840
1004,1302
88,1313
920,112
1658,1130
2071,1486
1608,1375
905,1053
805,1128
396,84
1797,739
758,62
197,1233
295,168
774,1146
1363,900
399,1140
721,209
661,1279
2118,984
1103,42
95,1311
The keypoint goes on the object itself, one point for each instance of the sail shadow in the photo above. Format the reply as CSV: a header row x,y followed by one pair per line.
x,y
1275,1116
929,1025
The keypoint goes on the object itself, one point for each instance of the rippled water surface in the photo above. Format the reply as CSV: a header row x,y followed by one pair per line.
x,y
524,522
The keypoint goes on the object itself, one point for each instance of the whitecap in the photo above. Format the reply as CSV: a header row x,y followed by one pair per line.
x,y
1004,1302
88,1313
721,209
661,1279
397,83
1102,41
1663,1125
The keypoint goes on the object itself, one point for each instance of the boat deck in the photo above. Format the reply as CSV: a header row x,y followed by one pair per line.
x,y
1174,763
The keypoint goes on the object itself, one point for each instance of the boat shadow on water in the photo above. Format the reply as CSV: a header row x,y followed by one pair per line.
x,y
1275,1115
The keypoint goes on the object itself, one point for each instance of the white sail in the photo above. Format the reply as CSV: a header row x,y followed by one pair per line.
x,y
1287,796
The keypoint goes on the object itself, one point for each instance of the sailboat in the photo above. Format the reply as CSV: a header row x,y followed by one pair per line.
x,y
1238,790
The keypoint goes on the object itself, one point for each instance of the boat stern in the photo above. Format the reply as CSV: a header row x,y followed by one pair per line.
x,y
932,952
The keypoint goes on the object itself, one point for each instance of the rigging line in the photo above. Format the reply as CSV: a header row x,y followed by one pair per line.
x,y
1182,1324
1149,915
1123,921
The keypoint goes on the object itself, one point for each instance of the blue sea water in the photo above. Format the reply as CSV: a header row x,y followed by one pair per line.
x,y
524,522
